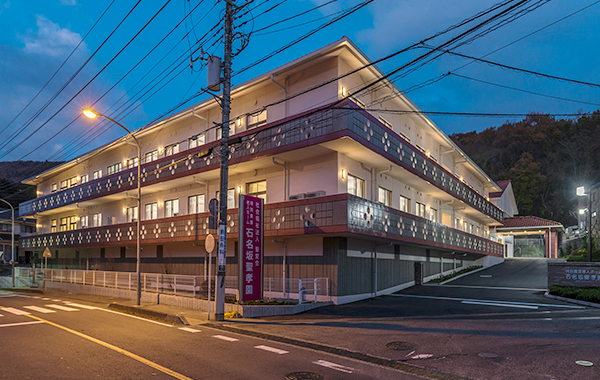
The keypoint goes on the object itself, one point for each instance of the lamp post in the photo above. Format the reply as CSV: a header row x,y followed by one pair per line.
x,y
12,242
91,114
581,193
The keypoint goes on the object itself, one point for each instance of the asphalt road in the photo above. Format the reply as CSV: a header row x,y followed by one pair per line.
x,y
54,338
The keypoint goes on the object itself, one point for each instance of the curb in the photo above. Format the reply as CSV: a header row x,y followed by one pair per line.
x,y
389,363
571,300
136,310
23,290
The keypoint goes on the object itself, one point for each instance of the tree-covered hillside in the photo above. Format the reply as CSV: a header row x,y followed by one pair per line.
x,y
546,159
11,175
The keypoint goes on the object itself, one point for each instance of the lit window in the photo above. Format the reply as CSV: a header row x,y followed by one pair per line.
x,y
433,214
72,181
131,162
132,214
84,221
151,211
478,231
151,156
257,189
356,186
54,187
97,174
84,178
385,197
421,210
196,204
358,102
97,220
171,208
53,225
115,168
196,141
63,224
386,123
172,149
72,223
404,204
470,228
230,198
256,119
457,223
64,184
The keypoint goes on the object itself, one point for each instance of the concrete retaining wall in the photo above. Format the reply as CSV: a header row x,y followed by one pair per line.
x,y
574,274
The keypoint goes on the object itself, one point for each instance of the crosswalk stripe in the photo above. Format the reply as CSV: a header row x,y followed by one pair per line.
x,y
60,307
39,309
223,337
81,306
188,329
271,349
15,311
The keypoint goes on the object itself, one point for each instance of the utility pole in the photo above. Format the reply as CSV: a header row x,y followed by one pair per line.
x,y
226,106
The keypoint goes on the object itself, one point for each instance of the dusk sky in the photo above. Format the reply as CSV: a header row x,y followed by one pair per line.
x,y
36,37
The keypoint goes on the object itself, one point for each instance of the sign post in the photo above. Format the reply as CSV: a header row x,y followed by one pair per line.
x,y
251,248
46,254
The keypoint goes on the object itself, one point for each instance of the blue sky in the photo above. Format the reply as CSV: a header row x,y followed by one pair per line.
x,y
37,36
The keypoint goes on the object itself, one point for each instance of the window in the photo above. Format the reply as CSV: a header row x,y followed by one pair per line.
x,y
171,208
72,223
230,198
196,204
84,178
151,211
386,123
358,102
84,221
64,184
172,149
112,169
54,187
151,156
385,197
405,137
219,133
72,182
465,226
404,204
97,174
433,214
421,210
63,224
131,162
478,231
257,189
132,214
196,141
53,225
356,186
256,119
470,228
97,220
457,223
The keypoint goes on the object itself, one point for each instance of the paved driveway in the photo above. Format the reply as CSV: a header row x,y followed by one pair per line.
x,y
512,273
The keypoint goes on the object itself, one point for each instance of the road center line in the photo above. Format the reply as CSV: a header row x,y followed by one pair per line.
x,y
331,365
492,301
500,304
21,324
117,349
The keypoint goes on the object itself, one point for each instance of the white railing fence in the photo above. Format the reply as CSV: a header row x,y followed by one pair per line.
x,y
301,289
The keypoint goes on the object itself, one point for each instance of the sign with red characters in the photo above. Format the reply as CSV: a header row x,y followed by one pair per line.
x,y
251,248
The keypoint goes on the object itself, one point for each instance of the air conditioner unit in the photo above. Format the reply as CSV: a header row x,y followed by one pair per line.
x,y
313,194
297,196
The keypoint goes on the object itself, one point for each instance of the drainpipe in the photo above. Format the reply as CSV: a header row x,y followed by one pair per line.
x,y
284,92
285,179
284,264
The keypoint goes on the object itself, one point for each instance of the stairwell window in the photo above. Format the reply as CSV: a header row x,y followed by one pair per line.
x,y
171,208
115,168
404,204
72,223
84,178
64,222
132,214
421,210
64,184
151,156
151,211
97,174
171,149
53,225
54,187
356,186
196,204
196,141
433,214
256,119
84,221
257,189
131,162
385,197
97,220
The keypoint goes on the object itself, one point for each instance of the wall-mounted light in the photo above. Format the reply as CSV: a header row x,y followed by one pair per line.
x,y
78,178
239,189
125,162
427,208
159,204
39,192
581,211
344,91
38,226
239,121
160,150
428,154
124,210
343,173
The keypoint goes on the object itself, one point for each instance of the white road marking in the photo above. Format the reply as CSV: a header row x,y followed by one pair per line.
x,y
271,349
331,365
422,356
7,295
39,309
490,287
485,275
493,301
46,299
136,317
22,324
15,311
36,297
56,301
223,337
61,307
188,329
81,306
412,352
500,304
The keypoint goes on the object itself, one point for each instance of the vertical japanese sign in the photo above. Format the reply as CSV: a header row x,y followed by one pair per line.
x,y
251,248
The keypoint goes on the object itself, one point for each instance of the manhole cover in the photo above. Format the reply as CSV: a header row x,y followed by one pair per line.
x,y
303,376
400,346
584,363
488,355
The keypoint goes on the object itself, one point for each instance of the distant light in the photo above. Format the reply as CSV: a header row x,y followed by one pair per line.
x,y
581,191
581,211
89,113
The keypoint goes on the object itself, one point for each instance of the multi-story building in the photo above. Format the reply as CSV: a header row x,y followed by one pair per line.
x,y
357,188
23,227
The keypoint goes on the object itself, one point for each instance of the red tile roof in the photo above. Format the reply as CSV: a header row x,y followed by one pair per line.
x,y
503,185
528,221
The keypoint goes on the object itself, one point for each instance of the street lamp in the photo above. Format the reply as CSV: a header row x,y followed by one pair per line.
x,y
92,114
581,193
12,242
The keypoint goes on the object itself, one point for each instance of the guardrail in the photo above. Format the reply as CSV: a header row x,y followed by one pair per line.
x,y
302,289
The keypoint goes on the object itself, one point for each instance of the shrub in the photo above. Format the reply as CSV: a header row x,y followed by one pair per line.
x,y
583,294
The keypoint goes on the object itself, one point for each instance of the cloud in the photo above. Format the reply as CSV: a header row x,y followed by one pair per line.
x,y
68,2
4,5
51,39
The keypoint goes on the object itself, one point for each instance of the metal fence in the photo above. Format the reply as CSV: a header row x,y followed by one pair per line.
x,y
301,289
